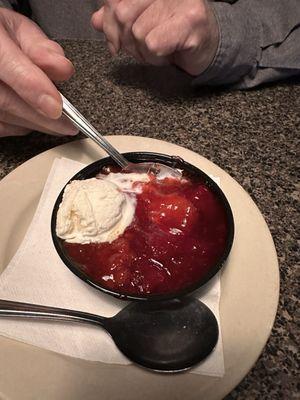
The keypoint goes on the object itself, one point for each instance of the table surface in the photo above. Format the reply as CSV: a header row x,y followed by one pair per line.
x,y
250,134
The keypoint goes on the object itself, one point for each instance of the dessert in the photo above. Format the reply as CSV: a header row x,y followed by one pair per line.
x,y
148,236
97,210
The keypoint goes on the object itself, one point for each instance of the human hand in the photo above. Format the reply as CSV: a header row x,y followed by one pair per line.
x,y
28,62
159,32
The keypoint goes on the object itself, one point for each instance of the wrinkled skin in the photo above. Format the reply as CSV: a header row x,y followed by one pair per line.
x,y
29,62
160,32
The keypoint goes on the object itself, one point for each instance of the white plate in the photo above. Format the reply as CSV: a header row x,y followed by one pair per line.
x,y
250,289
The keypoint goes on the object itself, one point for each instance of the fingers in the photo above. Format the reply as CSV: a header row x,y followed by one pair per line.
x,y
150,19
12,120
97,22
28,60
15,130
26,79
126,24
15,24
19,72
160,32
11,130
12,106
57,67
111,29
126,12
97,19
116,19
167,38
45,53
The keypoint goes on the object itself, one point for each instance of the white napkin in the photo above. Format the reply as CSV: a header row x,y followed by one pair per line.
x,y
37,275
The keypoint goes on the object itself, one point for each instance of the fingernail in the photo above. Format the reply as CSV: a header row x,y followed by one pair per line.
x,y
60,56
67,128
72,131
49,106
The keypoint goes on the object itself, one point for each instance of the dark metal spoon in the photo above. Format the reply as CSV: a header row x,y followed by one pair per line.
x,y
165,336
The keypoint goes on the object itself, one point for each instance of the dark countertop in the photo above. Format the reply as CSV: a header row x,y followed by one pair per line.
x,y
252,135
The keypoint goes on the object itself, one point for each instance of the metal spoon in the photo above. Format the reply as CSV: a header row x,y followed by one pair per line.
x,y
160,170
166,336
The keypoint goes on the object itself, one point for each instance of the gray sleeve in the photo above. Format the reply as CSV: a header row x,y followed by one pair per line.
x,y
259,42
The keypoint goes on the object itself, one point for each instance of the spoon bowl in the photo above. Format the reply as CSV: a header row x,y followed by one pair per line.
x,y
165,336
168,336
161,171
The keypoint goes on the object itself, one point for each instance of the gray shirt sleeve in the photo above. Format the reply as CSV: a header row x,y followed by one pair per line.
x,y
259,42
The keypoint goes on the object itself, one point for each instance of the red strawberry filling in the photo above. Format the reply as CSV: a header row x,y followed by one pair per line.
x,y
178,233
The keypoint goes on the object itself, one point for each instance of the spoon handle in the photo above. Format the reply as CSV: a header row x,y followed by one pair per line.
x,y
17,309
87,128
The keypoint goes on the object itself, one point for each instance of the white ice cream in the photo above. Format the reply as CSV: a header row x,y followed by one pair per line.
x,y
98,210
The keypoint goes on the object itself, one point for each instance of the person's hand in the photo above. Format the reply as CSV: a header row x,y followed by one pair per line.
x,y
159,32
28,62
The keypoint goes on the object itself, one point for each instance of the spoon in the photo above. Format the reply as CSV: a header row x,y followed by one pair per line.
x,y
165,336
160,170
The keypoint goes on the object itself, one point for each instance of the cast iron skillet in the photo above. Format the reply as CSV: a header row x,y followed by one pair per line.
x,y
92,170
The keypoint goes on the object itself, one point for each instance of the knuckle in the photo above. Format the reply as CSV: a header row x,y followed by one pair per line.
x,y
194,42
22,73
137,32
38,53
52,45
153,46
196,14
122,13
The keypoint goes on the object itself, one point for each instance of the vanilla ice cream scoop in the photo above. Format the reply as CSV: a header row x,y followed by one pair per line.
x,y
97,210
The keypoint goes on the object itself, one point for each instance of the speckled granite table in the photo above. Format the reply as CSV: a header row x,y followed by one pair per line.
x,y
251,135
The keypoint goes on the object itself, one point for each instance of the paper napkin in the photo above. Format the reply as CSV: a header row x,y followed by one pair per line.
x,y
36,274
